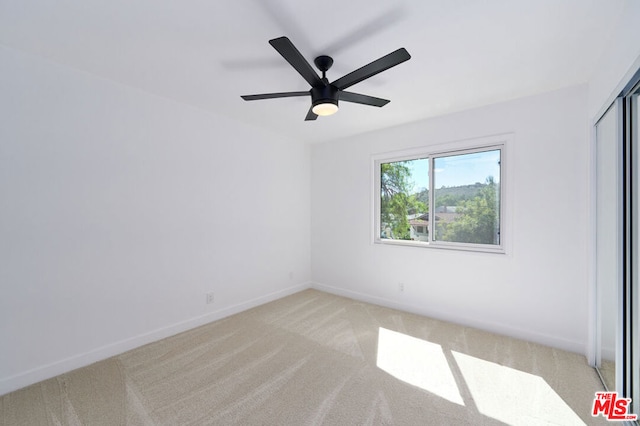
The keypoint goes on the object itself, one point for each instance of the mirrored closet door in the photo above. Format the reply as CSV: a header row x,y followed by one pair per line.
x,y
608,244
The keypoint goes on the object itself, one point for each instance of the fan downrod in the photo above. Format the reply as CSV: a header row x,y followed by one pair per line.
x,y
323,62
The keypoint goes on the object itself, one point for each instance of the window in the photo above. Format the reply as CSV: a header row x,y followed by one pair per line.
x,y
447,199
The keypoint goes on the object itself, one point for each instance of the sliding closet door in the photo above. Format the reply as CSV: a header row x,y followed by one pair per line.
x,y
618,245
632,257
609,247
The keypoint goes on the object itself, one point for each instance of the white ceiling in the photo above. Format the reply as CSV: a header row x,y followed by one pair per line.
x,y
206,53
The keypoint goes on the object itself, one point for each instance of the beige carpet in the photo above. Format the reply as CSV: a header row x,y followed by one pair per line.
x,y
313,358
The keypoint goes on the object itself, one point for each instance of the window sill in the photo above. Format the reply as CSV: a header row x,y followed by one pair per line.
x,y
440,245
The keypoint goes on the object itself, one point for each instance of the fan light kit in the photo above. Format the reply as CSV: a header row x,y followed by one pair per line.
x,y
325,108
325,95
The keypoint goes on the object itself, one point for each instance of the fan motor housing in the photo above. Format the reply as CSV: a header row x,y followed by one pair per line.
x,y
324,95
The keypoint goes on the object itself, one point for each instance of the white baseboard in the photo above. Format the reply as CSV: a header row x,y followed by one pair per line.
x,y
53,369
517,333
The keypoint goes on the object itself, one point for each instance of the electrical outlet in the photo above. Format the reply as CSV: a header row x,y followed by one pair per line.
x,y
400,287
209,298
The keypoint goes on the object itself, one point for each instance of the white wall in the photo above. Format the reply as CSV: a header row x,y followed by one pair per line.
x,y
119,210
538,291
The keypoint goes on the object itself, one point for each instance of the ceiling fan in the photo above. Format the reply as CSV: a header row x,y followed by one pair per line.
x,y
325,95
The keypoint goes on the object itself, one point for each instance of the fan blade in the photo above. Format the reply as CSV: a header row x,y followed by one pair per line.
x,y
289,52
373,68
362,99
273,95
310,115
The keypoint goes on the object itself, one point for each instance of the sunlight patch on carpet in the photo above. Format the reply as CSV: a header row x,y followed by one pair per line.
x,y
512,396
418,363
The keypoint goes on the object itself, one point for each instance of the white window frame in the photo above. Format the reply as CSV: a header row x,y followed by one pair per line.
x,y
491,143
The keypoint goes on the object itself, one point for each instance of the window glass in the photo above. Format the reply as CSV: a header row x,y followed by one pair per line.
x,y
467,198
404,198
